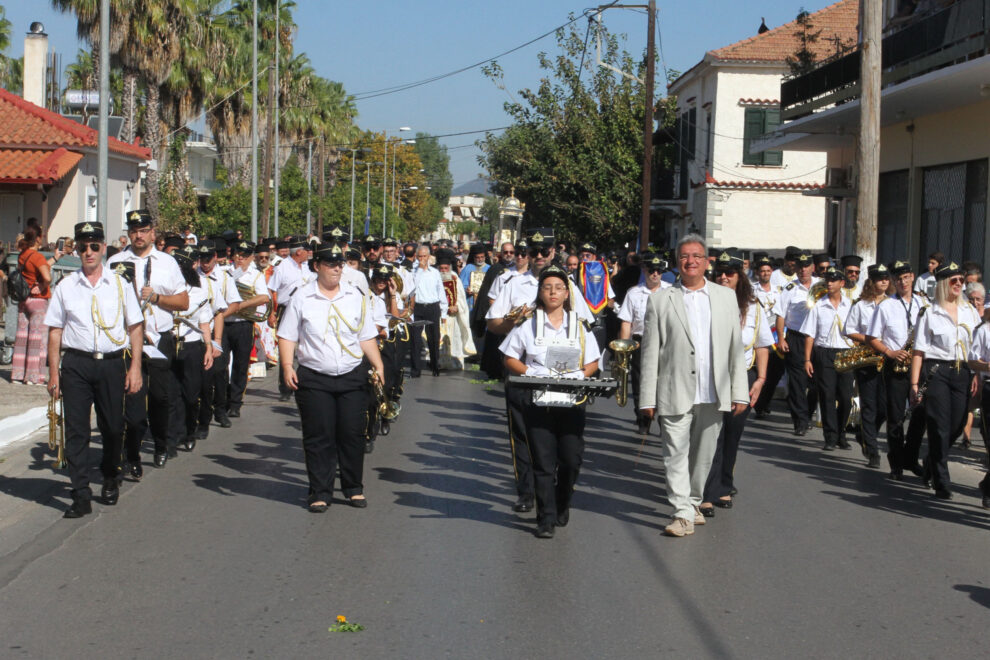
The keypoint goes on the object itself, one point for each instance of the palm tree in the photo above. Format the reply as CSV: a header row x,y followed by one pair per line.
x,y
5,61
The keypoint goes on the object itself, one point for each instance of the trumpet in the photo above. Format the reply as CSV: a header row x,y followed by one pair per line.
x,y
518,315
56,431
623,350
387,410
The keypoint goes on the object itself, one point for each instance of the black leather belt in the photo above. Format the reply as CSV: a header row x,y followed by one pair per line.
x,y
115,355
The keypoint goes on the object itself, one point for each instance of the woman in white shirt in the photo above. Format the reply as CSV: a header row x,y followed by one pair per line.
x,y
191,357
552,343
979,361
941,348
333,327
756,339
869,379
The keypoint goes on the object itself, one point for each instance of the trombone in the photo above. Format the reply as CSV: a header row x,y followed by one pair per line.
x,y
56,431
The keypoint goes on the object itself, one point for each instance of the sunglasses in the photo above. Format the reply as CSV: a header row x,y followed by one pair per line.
x,y
852,271
543,252
81,248
508,251
956,280
725,272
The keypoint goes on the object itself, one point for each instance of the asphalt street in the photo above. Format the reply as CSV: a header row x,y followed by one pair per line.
x,y
215,556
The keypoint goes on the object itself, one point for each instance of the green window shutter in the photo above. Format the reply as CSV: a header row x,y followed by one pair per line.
x,y
772,121
752,128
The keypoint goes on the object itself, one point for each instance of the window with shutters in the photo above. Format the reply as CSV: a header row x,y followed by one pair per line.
x,y
759,121
954,211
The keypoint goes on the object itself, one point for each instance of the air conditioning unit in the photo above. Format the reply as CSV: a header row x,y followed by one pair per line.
x,y
837,177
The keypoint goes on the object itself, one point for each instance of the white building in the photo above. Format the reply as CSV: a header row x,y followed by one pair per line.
x,y
934,136
461,208
718,188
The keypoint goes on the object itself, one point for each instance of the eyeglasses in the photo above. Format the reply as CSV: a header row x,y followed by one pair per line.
x,y
852,271
956,280
81,248
508,251
550,288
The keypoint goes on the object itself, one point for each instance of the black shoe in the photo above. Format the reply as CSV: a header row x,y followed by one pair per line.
x,y
828,447
707,511
369,446
943,494
136,470
436,373
319,508
415,374
523,505
202,433
800,430
734,491
160,459
897,475
110,492
844,444
79,509
563,517
358,502
173,452
986,501
917,470
283,397
234,412
722,504
874,461
189,444
223,421
762,414
643,425
384,427
544,531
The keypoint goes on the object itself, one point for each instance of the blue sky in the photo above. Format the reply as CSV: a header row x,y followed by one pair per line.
x,y
372,44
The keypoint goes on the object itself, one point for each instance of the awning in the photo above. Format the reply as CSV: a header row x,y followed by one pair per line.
x,y
35,166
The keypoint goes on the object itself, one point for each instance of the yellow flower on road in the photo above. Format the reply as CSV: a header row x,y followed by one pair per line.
x,y
341,618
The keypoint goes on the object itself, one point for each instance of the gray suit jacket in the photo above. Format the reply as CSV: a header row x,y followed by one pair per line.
x,y
667,380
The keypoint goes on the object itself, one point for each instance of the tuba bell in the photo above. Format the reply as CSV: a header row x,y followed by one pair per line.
x,y
623,350
518,315
387,409
816,293
255,314
56,431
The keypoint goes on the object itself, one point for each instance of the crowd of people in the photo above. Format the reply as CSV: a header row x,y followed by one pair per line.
x,y
159,337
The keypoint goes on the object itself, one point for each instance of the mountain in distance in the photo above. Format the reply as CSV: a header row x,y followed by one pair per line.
x,y
477,186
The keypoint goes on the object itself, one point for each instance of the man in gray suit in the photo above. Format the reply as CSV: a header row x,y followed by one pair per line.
x,y
692,372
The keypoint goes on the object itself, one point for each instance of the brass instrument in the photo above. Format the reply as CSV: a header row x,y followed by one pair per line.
x,y
904,367
816,293
56,431
623,350
387,410
518,315
255,314
857,357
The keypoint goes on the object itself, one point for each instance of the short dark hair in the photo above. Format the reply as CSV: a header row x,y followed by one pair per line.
x,y
937,256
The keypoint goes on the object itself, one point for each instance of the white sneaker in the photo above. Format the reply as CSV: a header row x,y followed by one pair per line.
x,y
679,527
699,518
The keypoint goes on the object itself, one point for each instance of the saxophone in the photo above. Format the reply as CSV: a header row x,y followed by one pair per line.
x,y
904,367
857,357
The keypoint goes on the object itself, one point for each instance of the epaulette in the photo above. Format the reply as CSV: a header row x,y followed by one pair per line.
x,y
790,286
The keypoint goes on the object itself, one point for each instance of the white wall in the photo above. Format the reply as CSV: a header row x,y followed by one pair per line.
x,y
79,185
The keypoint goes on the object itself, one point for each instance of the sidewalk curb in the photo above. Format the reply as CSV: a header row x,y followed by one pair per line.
x,y
15,429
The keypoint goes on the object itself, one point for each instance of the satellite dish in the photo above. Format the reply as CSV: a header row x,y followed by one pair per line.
x,y
37,28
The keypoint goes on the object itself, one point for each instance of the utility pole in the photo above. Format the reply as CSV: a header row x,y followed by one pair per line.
x,y
278,93
644,221
868,183
309,190
254,127
353,163
102,154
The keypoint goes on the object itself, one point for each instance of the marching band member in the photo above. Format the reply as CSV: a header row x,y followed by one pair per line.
x,y
891,334
756,339
333,329
555,434
786,274
192,358
979,361
869,380
790,309
265,333
941,348
394,335
632,314
824,326
162,291
240,331
766,295
93,316
354,270
224,302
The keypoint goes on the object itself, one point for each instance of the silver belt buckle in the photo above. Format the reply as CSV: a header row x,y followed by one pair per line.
x,y
97,355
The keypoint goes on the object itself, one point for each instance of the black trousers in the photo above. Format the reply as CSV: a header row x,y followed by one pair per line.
x,y
946,403
556,442
241,336
635,369
213,391
902,451
149,407
720,480
426,312
188,368
872,407
985,424
85,383
776,366
835,391
802,397
333,412
516,400
491,357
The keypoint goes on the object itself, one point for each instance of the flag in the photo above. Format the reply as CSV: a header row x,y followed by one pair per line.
x,y
367,222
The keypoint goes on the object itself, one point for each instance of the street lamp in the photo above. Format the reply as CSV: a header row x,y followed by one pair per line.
x,y
401,129
353,163
367,201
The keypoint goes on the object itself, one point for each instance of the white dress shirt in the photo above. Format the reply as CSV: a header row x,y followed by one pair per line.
x,y
255,279
778,280
521,344
633,308
199,312
755,333
860,317
501,280
980,349
328,331
766,299
289,276
72,309
429,288
354,277
166,280
825,323
893,320
792,304
941,338
698,307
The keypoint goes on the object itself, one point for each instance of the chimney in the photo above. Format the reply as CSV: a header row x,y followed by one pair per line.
x,y
35,64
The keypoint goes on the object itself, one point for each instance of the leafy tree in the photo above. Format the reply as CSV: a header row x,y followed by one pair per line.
x,y
10,69
574,150
436,162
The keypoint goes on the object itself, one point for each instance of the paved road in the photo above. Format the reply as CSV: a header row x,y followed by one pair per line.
x,y
215,555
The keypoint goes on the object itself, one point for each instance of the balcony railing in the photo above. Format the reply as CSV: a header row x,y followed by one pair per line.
x,y
956,33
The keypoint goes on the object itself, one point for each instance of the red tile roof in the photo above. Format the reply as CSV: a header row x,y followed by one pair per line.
x,y
756,185
838,20
767,102
26,125
36,165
